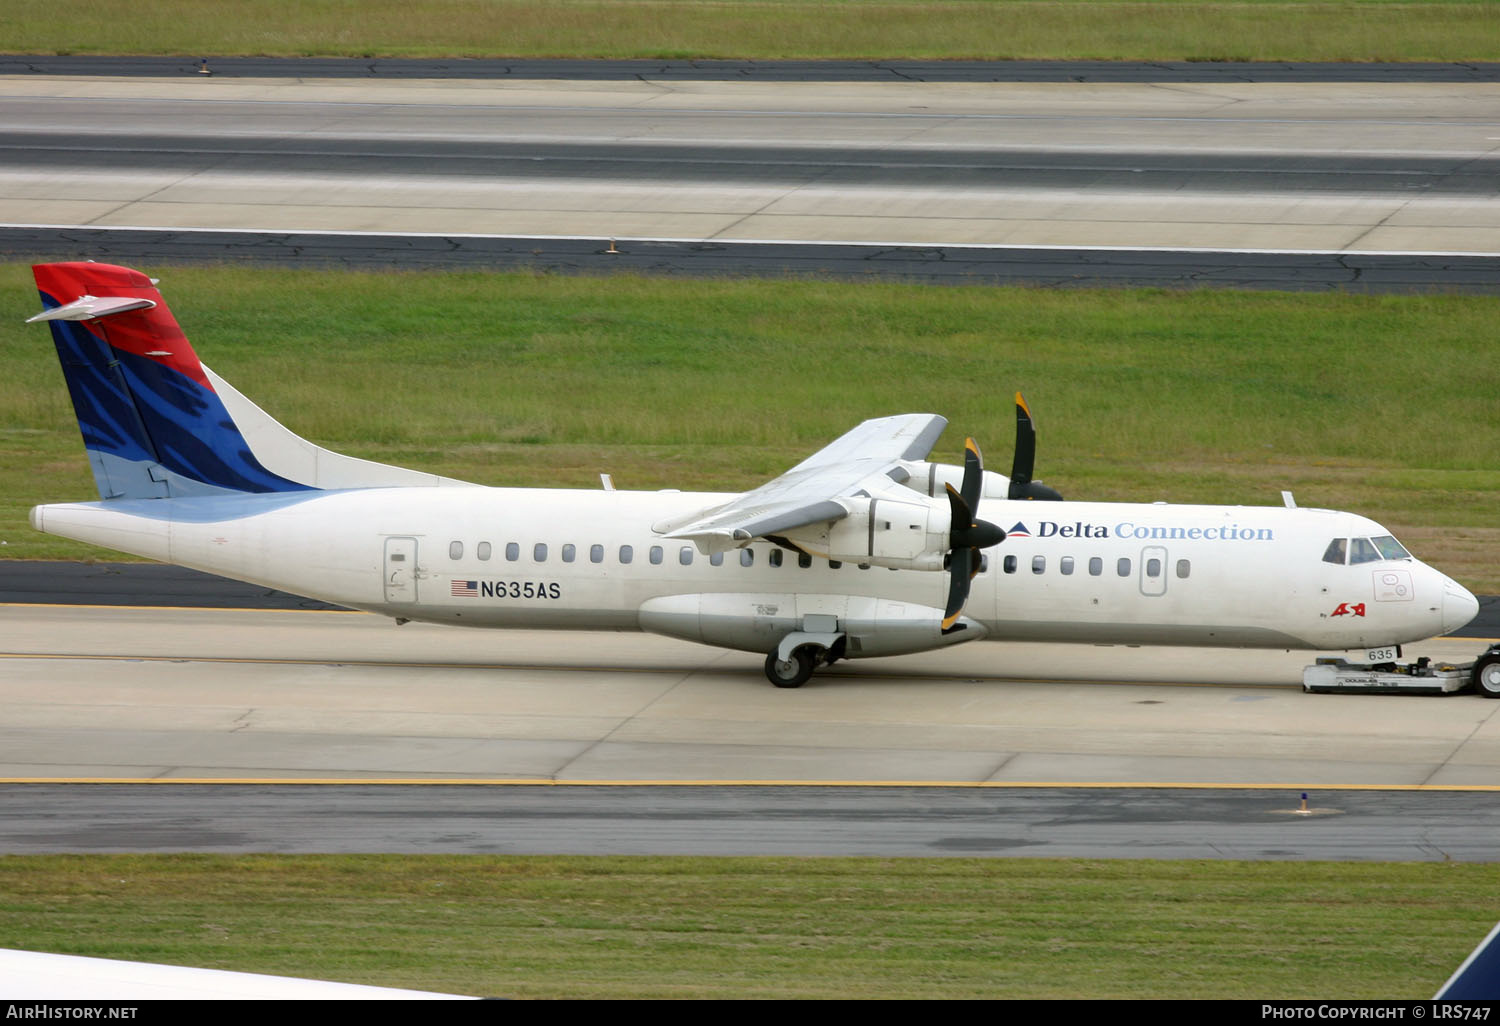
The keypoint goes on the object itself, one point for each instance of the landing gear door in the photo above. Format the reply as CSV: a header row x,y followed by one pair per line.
x,y
1153,570
400,569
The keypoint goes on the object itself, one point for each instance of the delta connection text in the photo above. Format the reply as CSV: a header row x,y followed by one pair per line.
x,y
1130,529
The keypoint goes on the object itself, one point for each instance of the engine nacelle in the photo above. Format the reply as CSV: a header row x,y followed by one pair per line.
x,y
884,532
929,479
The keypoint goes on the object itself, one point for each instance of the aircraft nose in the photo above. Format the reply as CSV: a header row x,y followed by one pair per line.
x,y
1459,606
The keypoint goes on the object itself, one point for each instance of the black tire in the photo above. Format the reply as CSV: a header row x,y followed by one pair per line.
x,y
794,672
1487,676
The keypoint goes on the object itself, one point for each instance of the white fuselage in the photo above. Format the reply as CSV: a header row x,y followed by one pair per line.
x,y
547,558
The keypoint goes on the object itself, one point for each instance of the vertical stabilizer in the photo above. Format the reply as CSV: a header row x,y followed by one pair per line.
x,y
152,423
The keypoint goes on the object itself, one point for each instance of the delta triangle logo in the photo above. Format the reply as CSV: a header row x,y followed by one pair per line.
x,y
1018,531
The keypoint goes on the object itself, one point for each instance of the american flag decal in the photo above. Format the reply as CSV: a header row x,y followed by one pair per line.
x,y
465,589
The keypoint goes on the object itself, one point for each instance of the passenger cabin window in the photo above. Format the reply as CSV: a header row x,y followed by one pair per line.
x,y
655,555
1153,568
1123,567
1065,565
804,560
1038,564
685,555
1337,552
774,558
596,553
569,552
834,564
1184,568
1096,566
539,552
717,559
626,553
747,557
1010,564
512,551
456,550
483,551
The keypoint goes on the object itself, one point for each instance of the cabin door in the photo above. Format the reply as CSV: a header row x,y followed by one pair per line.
x,y
400,569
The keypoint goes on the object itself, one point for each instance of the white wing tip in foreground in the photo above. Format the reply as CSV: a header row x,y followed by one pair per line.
x,y
37,976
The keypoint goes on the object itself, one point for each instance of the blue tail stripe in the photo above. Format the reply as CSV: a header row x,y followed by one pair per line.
x,y
106,416
143,412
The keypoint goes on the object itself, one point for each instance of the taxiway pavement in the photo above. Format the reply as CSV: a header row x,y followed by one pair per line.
x,y
133,693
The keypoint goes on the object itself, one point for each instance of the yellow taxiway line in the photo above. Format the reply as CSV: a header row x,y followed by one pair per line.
x,y
532,782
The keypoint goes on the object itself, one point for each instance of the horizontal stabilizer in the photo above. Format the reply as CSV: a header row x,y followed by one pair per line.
x,y
92,308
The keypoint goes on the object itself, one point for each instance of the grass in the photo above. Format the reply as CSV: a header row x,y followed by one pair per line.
x,y
546,927
534,380
1343,30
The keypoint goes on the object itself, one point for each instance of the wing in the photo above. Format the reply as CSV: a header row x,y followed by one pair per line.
x,y
816,489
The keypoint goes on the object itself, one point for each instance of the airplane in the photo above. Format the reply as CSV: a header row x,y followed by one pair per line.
x,y
864,549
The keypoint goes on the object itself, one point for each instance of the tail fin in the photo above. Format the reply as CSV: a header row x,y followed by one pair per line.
x,y
151,421
156,422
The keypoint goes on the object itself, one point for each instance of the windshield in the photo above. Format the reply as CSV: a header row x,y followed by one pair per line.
x,y
1365,550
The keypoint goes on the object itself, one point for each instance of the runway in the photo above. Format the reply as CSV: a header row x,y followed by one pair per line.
x,y
1310,184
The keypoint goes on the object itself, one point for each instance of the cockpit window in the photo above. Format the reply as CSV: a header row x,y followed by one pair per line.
x,y
1361,551
1336,551
1390,548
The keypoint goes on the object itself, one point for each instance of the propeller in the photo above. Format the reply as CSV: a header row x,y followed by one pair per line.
x,y
1021,484
968,535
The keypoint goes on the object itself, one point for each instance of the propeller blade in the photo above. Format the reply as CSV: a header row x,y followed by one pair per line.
x,y
1021,484
962,513
973,483
1025,459
958,587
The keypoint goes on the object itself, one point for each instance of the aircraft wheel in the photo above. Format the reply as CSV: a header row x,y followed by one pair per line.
x,y
793,672
1487,676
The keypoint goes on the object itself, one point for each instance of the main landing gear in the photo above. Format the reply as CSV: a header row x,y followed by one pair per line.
x,y
819,643
793,672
